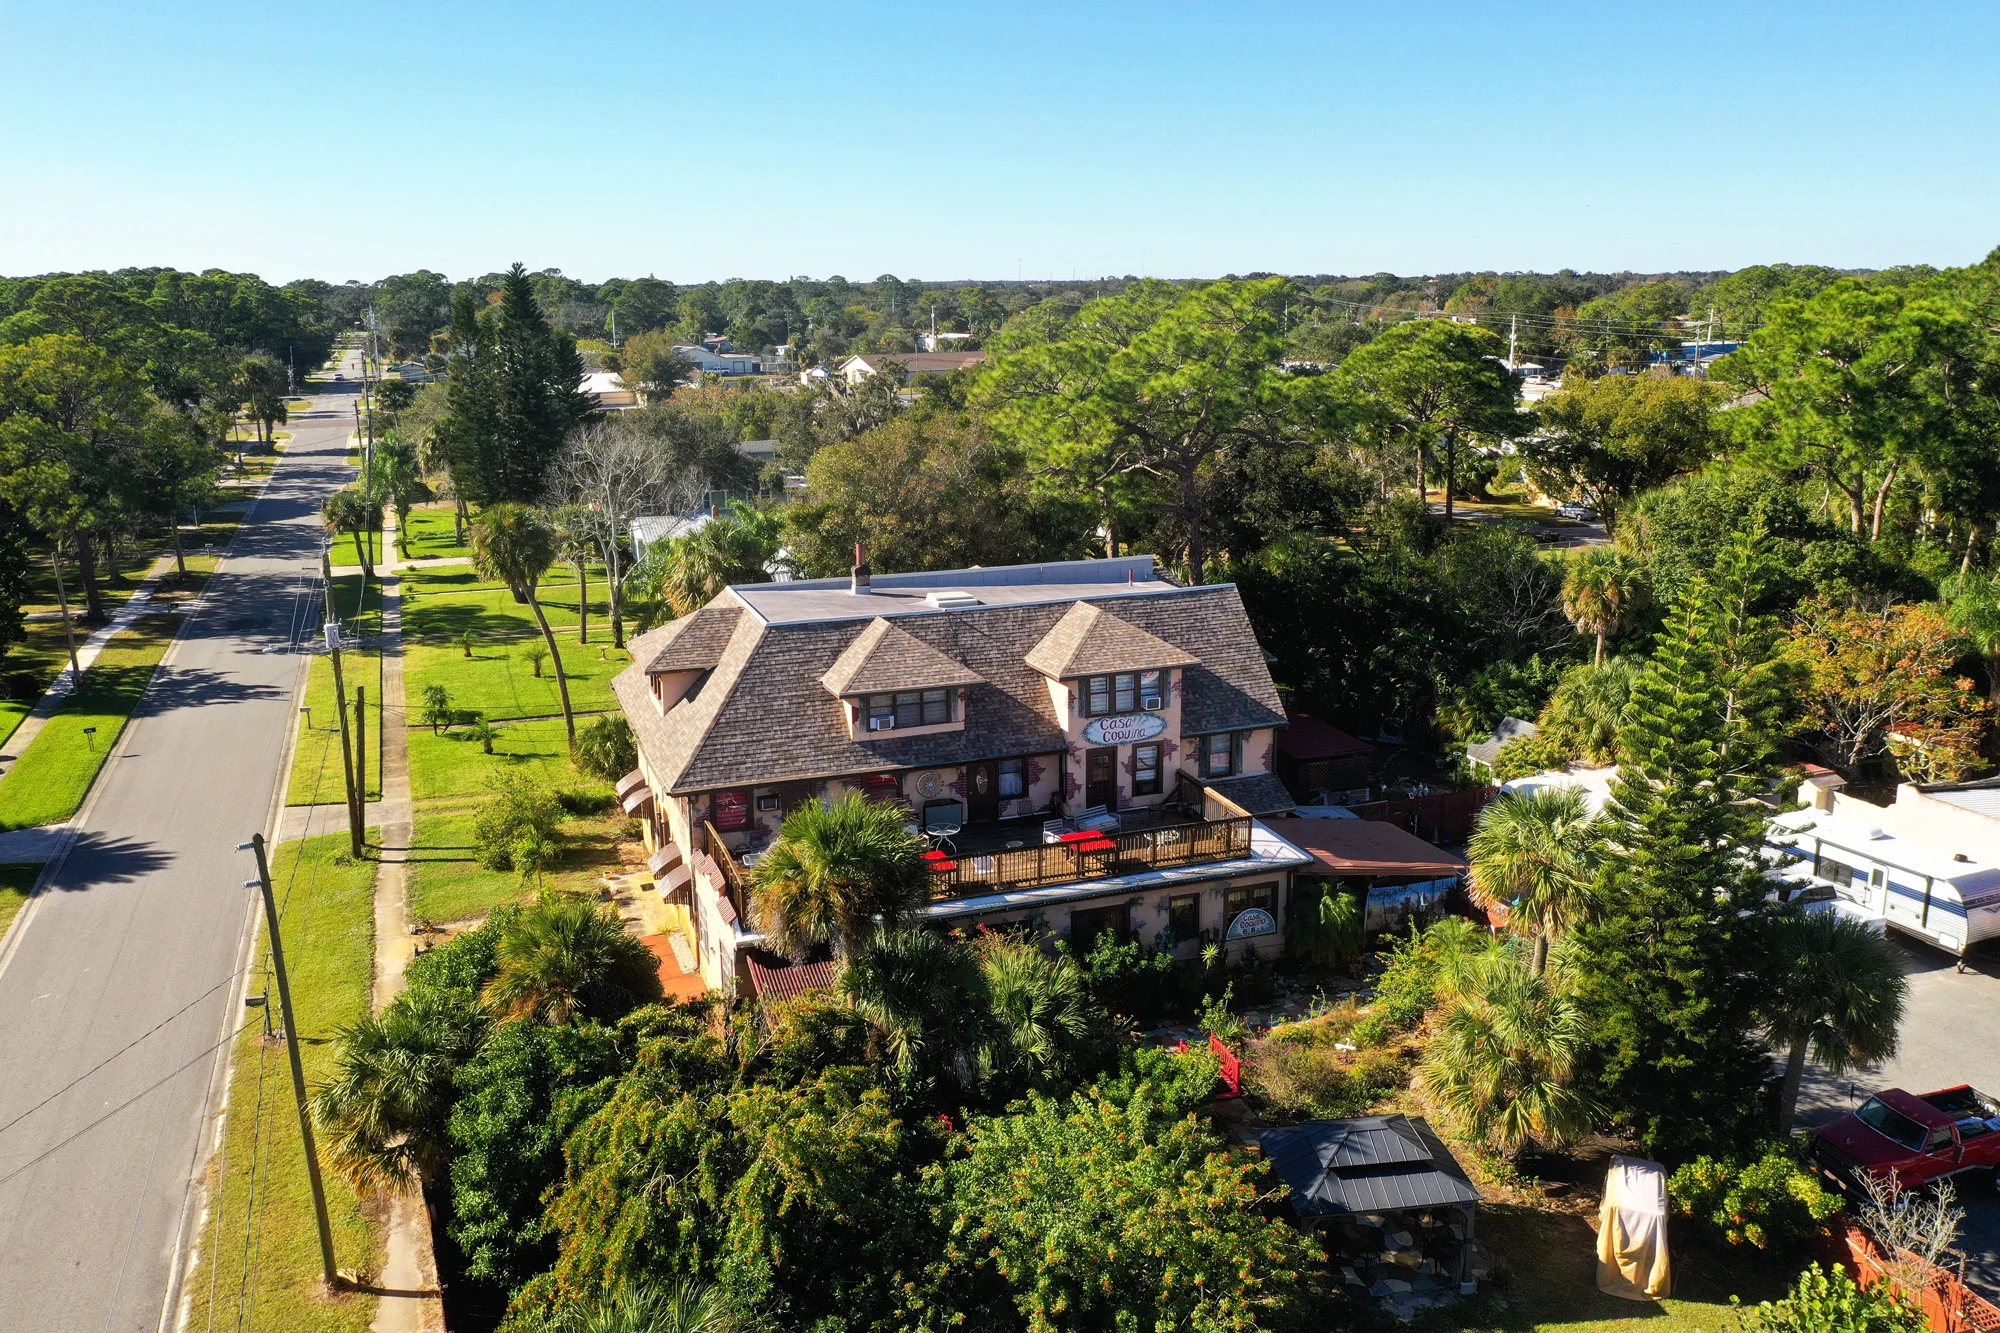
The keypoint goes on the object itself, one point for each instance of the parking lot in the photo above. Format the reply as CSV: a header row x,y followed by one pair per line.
x,y
1951,1035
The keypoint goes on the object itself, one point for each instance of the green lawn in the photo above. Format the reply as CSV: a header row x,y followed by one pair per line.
x,y
498,683
328,904
54,774
462,578
133,562
343,549
431,534
447,883
493,613
452,764
16,883
1548,1282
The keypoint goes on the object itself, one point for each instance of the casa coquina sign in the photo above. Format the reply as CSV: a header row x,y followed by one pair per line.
x,y
1123,729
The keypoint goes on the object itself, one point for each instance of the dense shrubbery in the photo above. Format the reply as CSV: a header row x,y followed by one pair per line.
x,y
1826,1300
1770,1202
516,825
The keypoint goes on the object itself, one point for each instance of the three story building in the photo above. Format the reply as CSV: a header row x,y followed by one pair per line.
x,y
1087,745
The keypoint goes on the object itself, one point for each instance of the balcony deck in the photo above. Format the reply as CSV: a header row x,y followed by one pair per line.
x,y
1010,854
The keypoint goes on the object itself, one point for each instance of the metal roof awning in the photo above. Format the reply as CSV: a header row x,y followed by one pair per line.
x,y
1372,1164
636,800
673,881
660,862
775,978
633,779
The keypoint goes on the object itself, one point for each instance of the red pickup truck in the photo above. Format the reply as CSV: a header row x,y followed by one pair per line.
x,y
1917,1139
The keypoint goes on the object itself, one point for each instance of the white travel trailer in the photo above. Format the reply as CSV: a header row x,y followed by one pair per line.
x,y
1863,869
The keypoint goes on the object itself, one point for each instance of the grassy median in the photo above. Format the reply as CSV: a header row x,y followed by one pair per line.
x,y
316,776
260,1247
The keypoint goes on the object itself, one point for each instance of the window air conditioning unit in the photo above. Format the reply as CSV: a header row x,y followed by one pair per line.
x,y
1149,702
881,724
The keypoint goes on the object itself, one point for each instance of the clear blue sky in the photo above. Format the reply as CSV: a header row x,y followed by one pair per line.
x,y
948,140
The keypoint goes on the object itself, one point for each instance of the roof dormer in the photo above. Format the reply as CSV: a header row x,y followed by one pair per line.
x,y
890,681
1090,641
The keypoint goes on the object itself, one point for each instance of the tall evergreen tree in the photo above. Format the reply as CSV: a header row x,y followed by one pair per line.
x,y
1670,973
513,396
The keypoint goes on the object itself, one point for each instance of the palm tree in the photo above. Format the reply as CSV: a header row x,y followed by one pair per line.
x,y
1535,853
563,959
836,870
385,1110
690,1307
515,544
1040,1007
575,543
1503,1057
1602,593
1973,607
1836,988
351,511
729,548
400,477
926,998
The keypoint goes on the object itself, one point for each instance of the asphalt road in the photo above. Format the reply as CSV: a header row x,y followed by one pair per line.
x,y
1950,1035
120,990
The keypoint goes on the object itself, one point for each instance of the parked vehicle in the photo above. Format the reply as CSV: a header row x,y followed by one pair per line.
x,y
1918,1139
1577,513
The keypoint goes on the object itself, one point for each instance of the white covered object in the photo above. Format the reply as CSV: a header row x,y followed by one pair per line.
x,y
1632,1231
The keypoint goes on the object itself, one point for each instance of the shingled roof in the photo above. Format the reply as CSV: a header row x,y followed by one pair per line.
x,y
1089,641
764,717
883,658
693,643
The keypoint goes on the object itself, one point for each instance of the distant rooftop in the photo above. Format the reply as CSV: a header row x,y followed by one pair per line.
x,y
1981,798
918,593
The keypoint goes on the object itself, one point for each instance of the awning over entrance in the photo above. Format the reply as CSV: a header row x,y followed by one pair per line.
x,y
1367,848
775,978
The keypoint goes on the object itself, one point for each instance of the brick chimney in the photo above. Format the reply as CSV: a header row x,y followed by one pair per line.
x,y
860,579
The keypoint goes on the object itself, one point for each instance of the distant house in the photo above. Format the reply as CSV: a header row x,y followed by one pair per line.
x,y
649,528
712,362
858,368
1483,753
942,342
607,393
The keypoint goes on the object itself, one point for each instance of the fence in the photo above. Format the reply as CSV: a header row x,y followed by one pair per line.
x,y
1441,818
1947,1303
1130,853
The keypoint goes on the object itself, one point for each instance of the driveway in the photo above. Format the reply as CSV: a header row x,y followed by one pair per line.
x,y
1951,1035
119,985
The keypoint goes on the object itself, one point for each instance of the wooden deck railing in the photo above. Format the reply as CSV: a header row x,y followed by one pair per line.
x,y
1130,854
734,875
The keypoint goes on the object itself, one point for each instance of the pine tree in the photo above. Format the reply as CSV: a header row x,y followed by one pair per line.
x,y
1669,977
514,394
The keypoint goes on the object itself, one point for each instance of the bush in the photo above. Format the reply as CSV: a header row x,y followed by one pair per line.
x,y
585,800
606,749
519,808
1324,924
1140,984
1408,989
1176,1082
1828,1301
1772,1203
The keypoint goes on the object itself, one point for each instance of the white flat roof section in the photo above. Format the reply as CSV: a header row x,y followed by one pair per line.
x,y
1980,800
804,600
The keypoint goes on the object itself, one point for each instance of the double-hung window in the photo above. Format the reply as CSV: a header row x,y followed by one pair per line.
x,y
909,708
1151,696
1013,779
1146,770
1124,692
1097,696
1218,755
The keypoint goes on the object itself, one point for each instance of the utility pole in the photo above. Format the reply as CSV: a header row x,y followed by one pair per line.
x,y
263,881
361,741
1513,325
340,698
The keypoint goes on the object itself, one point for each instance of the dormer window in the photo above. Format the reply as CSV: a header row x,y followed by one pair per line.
x,y
1124,692
1152,691
909,708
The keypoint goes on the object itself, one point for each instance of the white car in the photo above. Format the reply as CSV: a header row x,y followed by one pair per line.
x,y
1576,512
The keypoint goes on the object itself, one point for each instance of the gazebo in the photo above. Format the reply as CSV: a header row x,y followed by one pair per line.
x,y
1389,1197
